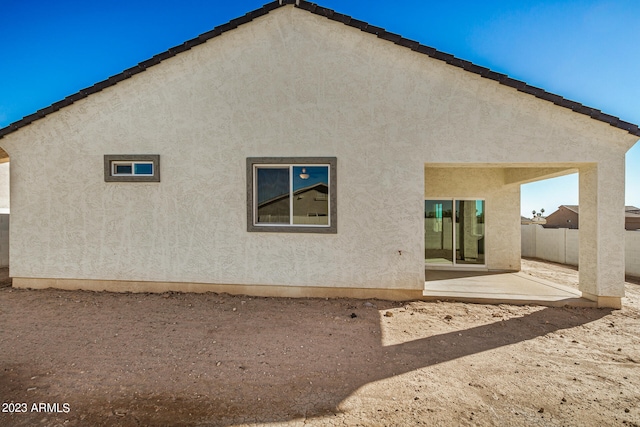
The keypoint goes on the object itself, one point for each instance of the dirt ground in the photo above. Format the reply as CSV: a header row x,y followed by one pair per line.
x,y
106,359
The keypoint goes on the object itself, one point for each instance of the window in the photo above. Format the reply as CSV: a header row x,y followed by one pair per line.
x,y
132,168
291,194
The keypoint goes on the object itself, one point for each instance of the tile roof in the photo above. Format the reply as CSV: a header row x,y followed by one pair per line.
x,y
573,208
629,210
347,20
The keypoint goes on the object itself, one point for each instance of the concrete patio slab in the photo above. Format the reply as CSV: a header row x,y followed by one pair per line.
x,y
500,288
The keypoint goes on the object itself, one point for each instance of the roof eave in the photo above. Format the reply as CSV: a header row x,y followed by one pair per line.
x,y
347,20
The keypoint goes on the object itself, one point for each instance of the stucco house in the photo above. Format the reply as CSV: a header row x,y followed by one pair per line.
x,y
156,179
632,219
568,216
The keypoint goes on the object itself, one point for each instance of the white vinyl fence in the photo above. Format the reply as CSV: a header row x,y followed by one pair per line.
x,y
4,239
561,245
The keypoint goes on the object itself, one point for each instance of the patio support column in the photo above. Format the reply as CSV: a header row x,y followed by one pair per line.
x,y
601,225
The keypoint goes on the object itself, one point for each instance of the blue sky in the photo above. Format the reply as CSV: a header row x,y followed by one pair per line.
x,y
584,50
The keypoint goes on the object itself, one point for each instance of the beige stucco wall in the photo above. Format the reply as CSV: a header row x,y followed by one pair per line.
x,y
602,228
288,84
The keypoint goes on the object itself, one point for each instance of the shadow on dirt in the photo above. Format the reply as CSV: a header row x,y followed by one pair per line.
x,y
208,360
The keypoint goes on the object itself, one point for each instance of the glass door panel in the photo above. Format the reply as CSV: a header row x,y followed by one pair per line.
x,y
469,231
459,242
438,231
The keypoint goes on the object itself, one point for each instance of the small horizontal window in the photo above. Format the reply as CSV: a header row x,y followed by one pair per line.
x,y
132,168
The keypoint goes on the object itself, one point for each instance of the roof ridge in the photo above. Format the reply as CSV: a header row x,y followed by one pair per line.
x,y
573,208
334,16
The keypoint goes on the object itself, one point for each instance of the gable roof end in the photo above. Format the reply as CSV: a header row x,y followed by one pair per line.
x,y
347,20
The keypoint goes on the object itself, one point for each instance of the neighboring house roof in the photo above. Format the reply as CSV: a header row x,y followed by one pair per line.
x,y
572,208
632,213
347,20
319,186
629,210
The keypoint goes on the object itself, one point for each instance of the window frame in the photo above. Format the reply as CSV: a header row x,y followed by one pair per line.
x,y
111,160
255,162
454,234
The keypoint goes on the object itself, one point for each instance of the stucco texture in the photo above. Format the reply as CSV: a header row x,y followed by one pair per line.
x,y
287,84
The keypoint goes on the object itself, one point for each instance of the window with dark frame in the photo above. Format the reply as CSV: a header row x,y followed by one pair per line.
x,y
291,194
132,168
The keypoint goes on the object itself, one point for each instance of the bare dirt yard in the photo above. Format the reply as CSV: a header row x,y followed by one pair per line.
x,y
73,358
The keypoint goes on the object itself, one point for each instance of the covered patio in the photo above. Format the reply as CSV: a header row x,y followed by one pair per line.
x,y
490,287
475,256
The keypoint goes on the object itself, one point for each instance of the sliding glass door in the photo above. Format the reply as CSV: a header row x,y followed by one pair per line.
x,y
469,231
454,232
438,231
